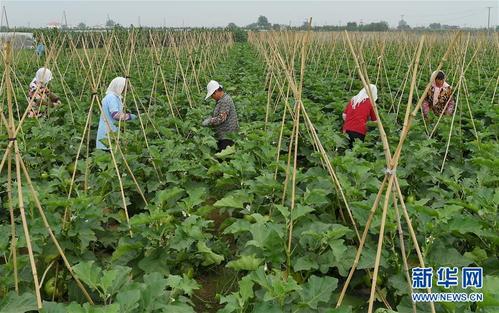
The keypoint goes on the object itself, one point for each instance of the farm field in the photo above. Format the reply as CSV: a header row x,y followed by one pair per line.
x,y
163,223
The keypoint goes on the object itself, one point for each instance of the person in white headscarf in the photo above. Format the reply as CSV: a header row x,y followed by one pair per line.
x,y
439,97
39,94
112,111
356,114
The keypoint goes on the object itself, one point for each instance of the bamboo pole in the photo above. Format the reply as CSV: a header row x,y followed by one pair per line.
x,y
11,127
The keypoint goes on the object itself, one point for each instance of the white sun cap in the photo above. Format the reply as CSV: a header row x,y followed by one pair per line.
x,y
211,88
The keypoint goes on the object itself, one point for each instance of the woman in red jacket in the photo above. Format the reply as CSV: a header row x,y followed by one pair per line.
x,y
357,113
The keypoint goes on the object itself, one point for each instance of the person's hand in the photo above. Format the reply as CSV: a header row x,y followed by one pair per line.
x,y
133,117
206,121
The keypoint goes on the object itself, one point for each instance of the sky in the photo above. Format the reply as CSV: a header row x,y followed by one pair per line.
x,y
206,13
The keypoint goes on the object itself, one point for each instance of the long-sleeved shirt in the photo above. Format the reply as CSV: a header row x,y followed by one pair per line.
x,y
112,111
437,101
356,119
39,95
224,118
40,50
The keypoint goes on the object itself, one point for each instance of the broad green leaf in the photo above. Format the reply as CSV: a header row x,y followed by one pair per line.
x,y
52,307
236,201
169,195
186,284
226,152
12,303
316,197
128,300
89,273
305,263
246,288
283,210
114,279
210,257
178,307
267,307
155,285
490,293
299,211
245,262
317,290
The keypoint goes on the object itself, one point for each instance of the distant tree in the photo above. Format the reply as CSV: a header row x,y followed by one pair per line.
x,y
351,25
110,23
231,26
82,26
497,28
376,27
263,22
276,27
403,25
435,26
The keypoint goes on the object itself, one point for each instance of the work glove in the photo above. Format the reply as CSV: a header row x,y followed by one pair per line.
x,y
132,117
207,121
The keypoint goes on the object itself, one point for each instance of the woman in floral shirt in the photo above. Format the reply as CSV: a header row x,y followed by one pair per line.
x,y
439,97
39,94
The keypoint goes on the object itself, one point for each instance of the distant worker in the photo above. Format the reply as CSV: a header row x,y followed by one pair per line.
x,y
40,50
112,111
39,94
439,97
224,117
356,114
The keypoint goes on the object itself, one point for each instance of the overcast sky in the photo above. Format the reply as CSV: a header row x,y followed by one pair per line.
x,y
220,13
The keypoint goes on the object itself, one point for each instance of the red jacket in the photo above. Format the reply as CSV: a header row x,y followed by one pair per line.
x,y
356,119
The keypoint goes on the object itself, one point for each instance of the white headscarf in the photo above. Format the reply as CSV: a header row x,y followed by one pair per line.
x,y
363,95
117,86
42,76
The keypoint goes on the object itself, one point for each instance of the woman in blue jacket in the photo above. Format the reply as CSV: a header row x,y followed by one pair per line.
x,y
112,111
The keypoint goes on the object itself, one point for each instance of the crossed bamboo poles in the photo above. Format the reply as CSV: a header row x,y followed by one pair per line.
x,y
13,151
390,179
296,87
93,80
296,120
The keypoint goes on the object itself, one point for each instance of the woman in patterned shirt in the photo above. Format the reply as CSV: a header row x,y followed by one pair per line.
x,y
224,117
39,94
439,97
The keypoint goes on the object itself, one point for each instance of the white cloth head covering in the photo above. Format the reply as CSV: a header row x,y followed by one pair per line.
x,y
117,86
362,95
42,76
212,86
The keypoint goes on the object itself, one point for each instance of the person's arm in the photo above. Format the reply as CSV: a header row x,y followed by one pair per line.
x,y
222,116
426,108
53,97
450,104
116,113
344,115
121,116
372,114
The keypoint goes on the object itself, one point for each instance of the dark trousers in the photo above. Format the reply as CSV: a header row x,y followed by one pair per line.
x,y
354,135
224,143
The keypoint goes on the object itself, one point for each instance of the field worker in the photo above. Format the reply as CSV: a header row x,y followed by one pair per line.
x,y
112,111
356,114
224,117
40,50
439,97
39,94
